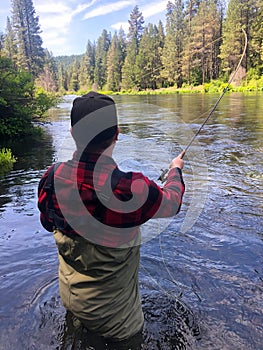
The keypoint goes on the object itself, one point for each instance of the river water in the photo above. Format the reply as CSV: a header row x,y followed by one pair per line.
x,y
201,274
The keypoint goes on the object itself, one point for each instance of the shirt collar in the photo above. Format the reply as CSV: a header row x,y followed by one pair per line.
x,y
87,157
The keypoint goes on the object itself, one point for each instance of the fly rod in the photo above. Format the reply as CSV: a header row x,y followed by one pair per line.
x,y
164,173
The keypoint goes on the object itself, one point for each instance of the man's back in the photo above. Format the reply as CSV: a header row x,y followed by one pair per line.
x,y
95,211
100,285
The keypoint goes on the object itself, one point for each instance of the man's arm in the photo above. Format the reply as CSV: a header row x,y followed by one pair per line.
x,y
43,203
173,190
153,200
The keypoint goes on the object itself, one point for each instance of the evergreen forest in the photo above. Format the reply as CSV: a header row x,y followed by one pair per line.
x,y
200,44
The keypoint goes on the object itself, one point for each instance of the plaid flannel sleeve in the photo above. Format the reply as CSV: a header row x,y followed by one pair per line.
x,y
153,200
173,192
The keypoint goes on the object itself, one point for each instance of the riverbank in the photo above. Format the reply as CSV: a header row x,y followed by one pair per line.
x,y
215,86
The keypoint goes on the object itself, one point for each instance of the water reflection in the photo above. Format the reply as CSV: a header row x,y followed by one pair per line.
x,y
16,187
169,324
201,288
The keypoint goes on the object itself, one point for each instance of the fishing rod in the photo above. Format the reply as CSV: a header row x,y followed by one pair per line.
x,y
164,173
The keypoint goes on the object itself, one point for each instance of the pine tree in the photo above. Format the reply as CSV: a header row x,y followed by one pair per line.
x,y
161,35
233,39
87,67
205,33
74,77
148,61
102,47
254,30
136,22
30,54
256,39
48,78
84,83
2,39
128,69
114,64
123,44
19,26
173,44
161,40
136,28
62,78
191,8
10,49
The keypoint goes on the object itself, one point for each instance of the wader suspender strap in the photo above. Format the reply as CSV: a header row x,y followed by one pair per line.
x,y
59,222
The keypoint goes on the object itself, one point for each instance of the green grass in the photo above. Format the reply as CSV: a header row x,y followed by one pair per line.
x,y
214,86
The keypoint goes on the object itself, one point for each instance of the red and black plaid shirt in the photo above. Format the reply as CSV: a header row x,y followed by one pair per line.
x,y
78,184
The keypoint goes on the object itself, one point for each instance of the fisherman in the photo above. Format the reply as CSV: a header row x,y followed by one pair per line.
x,y
95,211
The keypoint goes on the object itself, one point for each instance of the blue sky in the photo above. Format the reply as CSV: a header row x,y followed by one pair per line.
x,y
67,25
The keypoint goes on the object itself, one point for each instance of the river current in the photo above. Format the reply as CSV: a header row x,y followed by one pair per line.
x,y
201,274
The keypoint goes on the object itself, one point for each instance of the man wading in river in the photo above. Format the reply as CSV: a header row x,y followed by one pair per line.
x,y
95,211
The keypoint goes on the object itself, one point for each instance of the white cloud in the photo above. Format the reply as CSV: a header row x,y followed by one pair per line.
x,y
153,8
55,18
51,7
83,7
51,21
119,25
148,10
106,9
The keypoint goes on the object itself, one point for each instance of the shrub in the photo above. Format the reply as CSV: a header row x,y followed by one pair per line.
x,y
20,102
7,161
43,101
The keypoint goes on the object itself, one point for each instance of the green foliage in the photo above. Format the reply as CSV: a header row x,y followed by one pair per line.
x,y
254,73
215,86
19,103
87,66
7,161
252,84
48,78
28,51
43,101
100,71
16,90
74,81
173,44
136,22
115,63
203,42
148,59
195,76
129,70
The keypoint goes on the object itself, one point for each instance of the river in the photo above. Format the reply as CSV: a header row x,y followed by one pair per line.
x,y
201,275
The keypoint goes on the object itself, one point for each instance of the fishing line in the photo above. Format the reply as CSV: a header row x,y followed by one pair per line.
x,y
163,176
164,173
221,96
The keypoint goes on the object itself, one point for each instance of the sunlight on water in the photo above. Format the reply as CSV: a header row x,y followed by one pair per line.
x,y
201,274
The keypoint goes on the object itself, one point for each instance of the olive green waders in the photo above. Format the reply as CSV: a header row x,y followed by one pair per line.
x,y
99,285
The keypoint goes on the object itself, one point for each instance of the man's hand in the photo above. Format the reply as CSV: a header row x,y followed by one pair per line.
x,y
178,161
